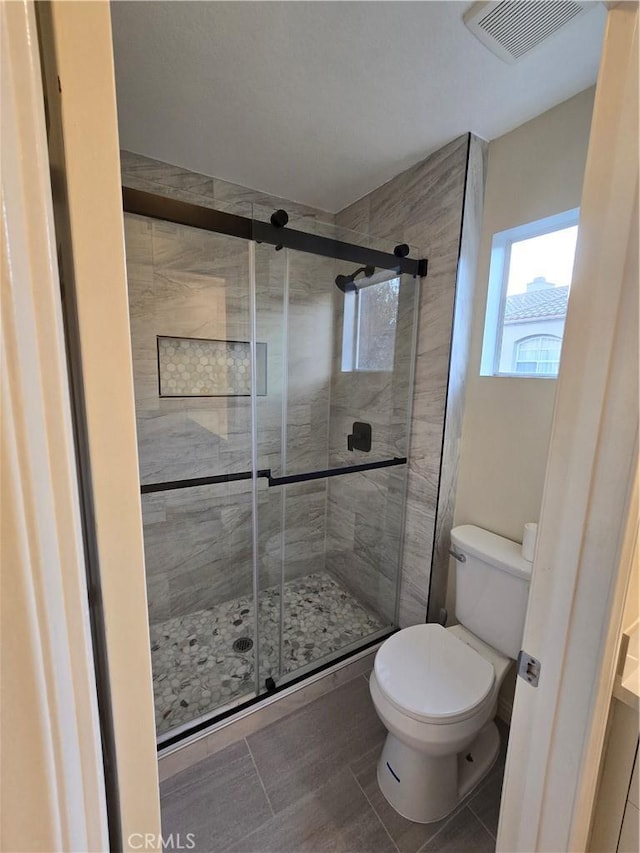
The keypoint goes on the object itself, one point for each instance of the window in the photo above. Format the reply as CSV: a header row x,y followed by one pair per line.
x,y
529,282
538,355
369,328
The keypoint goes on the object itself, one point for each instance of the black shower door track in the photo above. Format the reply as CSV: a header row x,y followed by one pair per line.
x,y
288,480
195,216
202,725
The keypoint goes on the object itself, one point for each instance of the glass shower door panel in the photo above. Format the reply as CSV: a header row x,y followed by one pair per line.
x,y
323,616
329,547
269,583
189,300
270,278
307,363
364,538
199,564
372,381
373,360
294,319
189,295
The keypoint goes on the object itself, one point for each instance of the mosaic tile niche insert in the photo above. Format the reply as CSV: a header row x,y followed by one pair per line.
x,y
197,367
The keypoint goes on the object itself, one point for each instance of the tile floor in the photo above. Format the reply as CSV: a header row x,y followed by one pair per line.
x,y
195,668
307,782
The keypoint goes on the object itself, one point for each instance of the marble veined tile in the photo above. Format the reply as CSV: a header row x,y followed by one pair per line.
x,y
356,217
239,199
164,174
424,207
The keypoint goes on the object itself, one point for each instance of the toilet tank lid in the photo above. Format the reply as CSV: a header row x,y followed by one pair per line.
x,y
491,548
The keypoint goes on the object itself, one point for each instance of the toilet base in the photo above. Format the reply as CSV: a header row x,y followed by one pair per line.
x,y
425,788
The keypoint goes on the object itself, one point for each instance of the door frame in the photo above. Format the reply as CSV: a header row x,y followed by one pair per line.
x,y
53,781
580,573
76,46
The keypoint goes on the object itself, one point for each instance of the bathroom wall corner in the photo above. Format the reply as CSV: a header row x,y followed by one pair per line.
x,y
470,233
434,206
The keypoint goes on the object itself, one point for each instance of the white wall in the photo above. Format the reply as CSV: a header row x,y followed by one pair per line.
x,y
534,171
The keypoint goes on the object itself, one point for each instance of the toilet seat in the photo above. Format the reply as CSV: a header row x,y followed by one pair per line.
x,y
430,675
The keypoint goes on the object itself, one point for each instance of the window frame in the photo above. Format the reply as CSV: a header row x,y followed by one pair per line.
x,y
351,325
499,264
537,337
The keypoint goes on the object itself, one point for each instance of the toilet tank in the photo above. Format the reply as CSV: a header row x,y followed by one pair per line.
x,y
492,587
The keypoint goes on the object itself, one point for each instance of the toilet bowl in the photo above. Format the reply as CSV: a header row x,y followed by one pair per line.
x,y
436,696
435,689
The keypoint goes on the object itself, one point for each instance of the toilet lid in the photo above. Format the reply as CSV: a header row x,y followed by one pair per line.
x,y
428,673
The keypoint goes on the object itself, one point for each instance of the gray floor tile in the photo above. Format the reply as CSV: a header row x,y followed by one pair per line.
x,y
318,766
219,800
335,817
410,837
407,835
301,752
486,803
503,730
463,833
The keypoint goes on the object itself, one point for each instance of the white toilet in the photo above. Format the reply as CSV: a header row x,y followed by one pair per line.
x,y
436,689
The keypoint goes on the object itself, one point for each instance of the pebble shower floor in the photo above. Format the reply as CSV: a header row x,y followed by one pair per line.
x,y
196,670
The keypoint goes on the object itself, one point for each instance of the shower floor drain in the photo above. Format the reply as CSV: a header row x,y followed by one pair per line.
x,y
242,644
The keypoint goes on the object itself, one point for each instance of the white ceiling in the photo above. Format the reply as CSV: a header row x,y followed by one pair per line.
x,y
321,102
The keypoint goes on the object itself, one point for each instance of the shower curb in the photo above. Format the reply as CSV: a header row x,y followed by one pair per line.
x,y
250,720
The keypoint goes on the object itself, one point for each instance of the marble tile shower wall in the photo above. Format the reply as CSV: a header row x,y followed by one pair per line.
x,y
306,376
188,283
423,206
364,511
144,173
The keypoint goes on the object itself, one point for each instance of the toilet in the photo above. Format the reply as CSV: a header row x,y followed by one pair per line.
x,y
436,689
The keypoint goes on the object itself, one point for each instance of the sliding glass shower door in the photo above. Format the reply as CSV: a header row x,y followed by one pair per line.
x,y
273,389
333,433
189,295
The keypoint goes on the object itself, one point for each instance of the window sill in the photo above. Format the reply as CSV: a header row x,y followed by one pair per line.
x,y
517,376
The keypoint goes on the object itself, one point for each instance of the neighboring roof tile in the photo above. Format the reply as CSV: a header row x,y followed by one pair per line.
x,y
536,304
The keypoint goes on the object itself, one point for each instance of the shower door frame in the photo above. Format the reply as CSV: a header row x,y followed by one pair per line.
x,y
152,205
163,208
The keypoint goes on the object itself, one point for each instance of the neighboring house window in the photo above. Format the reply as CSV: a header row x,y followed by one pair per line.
x,y
538,355
529,282
369,328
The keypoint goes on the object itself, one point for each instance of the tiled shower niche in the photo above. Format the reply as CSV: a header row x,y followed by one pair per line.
x,y
200,367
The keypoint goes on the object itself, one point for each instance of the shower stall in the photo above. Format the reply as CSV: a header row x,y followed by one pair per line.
x,y
273,373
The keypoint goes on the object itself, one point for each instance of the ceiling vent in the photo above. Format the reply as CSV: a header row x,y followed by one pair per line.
x,y
511,28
